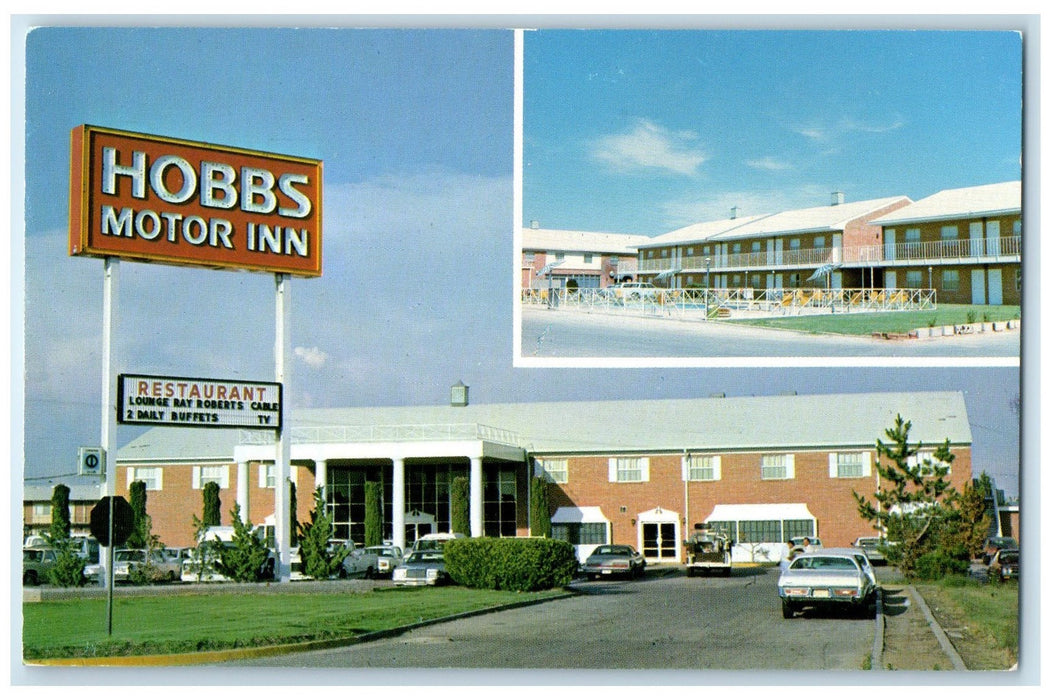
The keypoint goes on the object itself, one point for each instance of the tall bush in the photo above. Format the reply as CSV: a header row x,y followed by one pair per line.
x,y
373,514
319,561
69,565
245,559
212,516
60,523
139,536
539,509
459,506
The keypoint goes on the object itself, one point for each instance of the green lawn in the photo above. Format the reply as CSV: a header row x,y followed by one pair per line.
x,y
889,321
985,616
209,621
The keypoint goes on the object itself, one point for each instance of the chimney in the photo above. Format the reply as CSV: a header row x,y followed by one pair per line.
x,y
534,224
837,198
458,394
733,212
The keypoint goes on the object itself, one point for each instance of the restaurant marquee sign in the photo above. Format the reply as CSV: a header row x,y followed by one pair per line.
x,y
198,403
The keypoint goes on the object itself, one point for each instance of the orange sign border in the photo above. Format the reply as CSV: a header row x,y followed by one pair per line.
x,y
81,194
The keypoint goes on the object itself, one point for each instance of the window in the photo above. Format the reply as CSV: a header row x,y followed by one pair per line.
x,y
849,465
499,502
614,260
737,248
689,251
950,233
793,244
756,246
760,531
220,474
150,475
530,257
727,527
913,279
912,235
664,252
797,528
1016,227
777,467
554,470
819,242
951,280
587,258
41,510
560,255
629,469
267,476
580,533
702,467
1018,280
927,463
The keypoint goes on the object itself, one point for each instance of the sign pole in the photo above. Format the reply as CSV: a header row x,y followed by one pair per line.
x,y
109,416
282,350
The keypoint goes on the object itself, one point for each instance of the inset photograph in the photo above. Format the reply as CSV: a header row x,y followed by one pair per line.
x,y
722,194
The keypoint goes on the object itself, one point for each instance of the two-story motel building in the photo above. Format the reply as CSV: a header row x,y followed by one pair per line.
x,y
577,259
640,472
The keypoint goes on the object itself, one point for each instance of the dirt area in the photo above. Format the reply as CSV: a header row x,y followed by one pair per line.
x,y
909,644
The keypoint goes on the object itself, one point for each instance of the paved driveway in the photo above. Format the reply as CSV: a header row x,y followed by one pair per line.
x,y
566,334
660,623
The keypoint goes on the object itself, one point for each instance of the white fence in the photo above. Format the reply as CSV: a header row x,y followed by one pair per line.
x,y
723,303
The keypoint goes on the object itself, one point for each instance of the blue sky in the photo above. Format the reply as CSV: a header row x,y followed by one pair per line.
x,y
415,131
647,131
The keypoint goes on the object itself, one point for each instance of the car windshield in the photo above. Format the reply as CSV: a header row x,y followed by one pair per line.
x,y
382,551
32,555
825,563
612,549
129,555
1008,557
425,557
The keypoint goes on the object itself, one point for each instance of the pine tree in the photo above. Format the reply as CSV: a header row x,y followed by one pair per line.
x,y
212,516
459,506
319,560
373,515
540,510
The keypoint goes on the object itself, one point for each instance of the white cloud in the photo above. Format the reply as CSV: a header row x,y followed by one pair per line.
x,y
769,163
649,145
313,357
844,127
691,210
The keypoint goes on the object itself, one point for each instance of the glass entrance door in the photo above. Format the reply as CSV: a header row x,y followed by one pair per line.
x,y
658,540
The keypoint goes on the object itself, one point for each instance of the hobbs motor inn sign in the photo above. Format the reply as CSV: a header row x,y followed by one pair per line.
x,y
166,200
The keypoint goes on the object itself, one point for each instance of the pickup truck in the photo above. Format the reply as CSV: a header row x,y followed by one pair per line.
x,y
707,551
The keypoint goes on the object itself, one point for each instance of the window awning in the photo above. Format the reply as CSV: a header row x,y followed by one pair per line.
x,y
761,511
582,514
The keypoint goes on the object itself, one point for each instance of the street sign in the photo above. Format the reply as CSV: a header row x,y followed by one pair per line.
x,y
91,461
123,520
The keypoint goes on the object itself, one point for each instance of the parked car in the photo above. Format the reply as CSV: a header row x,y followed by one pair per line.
x,y
1004,565
874,547
359,562
426,568
798,543
614,560
433,542
632,291
36,563
388,557
207,570
994,544
827,579
159,565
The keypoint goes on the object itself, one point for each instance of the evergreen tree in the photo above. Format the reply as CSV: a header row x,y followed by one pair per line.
x,y
60,522
373,514
245,560
540,510
139,537
459,506
319,560
914,500
293,514
212,516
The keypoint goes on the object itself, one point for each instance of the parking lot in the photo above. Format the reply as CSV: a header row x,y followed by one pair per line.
x,y
663,622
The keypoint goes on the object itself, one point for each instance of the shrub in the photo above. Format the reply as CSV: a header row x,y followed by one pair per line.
x,y
938,564
510,564
68,570
319,561
246,557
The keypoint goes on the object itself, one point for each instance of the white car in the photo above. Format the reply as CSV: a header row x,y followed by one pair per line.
x,y
160,566
360,562
388,557
828,578
633,291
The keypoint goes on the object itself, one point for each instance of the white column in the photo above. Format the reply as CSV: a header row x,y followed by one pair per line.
x,y
242,489
283,446
398,502
321,475
476,497
111,276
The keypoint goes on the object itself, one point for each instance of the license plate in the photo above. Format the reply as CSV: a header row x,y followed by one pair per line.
x,y
821,593
607,572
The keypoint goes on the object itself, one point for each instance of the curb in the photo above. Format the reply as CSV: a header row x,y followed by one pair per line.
x,y
878,638
939,633
227,655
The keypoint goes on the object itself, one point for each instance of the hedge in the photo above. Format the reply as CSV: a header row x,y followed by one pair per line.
x,y
510,564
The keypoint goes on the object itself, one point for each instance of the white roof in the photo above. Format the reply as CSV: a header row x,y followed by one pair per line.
x,y
831,217
581,241
820,421
963,203
579,514
760,511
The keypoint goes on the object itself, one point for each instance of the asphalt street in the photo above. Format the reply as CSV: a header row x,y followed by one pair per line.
x,y
659,623
560,333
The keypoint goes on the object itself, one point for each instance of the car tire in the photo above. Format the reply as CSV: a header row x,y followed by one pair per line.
x,y
369,573
29,578
171,577
787,611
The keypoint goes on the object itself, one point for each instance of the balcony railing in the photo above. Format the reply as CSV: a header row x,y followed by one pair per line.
x,y
962,249
386,433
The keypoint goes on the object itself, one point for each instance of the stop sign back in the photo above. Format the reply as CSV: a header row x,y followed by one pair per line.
x,y
123,520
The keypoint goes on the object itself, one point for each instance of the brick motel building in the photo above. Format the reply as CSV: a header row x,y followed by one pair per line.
x,y
633,472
